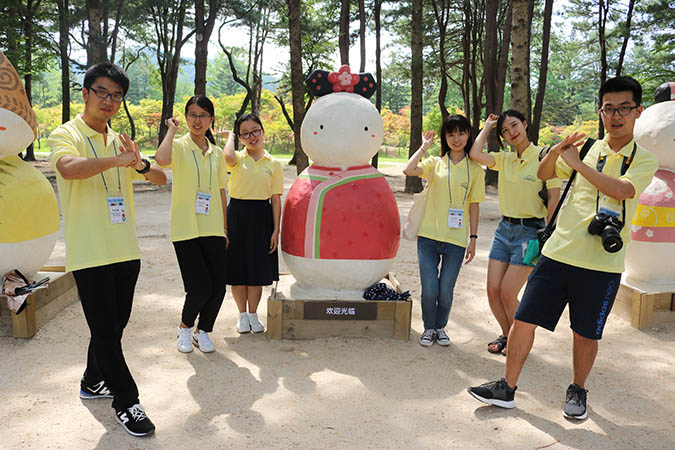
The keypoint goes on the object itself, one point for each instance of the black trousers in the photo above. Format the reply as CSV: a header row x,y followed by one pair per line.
x,y
107,295
202,266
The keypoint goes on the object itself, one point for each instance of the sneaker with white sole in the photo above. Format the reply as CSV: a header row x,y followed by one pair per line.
x,y
98,390
256,324
243,324
575,403
202,341
184,340
442,337
134,420
496,393
427,338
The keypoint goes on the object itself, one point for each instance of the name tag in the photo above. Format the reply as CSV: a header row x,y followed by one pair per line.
x,y
455,218
203,203
116,209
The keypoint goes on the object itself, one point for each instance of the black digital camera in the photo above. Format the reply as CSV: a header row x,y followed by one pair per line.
x,y
609,228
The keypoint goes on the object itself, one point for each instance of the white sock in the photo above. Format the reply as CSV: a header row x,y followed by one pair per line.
x,y
242,314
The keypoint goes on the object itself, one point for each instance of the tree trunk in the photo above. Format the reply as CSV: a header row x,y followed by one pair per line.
x,y
414,184
64,29
28,31
362,35
533,129
343,39
626,38
466,55
203,29
96,48
297,86
377,12
602,21
441,14
519,52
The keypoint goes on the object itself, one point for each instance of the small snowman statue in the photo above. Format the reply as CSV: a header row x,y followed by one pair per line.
x,y
650,253
340,228
29,213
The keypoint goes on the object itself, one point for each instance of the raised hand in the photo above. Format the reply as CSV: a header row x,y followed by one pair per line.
x,y
172,123
428,139
491,121
130,146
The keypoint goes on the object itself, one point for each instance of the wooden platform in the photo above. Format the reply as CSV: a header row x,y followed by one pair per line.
x,y
43,305
298,319
645,309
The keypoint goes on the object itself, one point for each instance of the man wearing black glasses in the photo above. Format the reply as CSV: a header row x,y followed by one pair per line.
x,y
582,262
94,168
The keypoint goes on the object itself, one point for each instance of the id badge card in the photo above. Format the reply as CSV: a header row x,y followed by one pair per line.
x,y
118,213
609,212
455,218
203,203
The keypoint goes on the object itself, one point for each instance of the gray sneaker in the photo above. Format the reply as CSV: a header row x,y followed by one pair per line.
x,y
496,393
427,338
575,403
442,338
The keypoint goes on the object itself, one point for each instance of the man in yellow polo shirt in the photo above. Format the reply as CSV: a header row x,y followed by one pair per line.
x,y
95,167
581,263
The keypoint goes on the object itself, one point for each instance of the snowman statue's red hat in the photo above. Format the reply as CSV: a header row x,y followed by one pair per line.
x,y
340,228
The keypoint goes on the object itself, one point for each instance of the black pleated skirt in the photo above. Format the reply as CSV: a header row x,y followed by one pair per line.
x,y
250,224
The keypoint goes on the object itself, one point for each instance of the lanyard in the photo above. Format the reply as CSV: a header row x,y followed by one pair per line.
x,y
468,179
119,183
624,167
199,180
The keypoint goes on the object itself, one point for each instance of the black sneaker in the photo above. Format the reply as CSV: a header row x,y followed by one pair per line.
x,y
575,403
98,390
135,421
496,393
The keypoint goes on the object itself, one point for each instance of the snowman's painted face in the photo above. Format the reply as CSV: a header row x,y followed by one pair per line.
x,y
15,133
342,130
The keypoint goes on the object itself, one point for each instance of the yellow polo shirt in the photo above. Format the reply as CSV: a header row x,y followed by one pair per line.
x,y
196,172
571,243
91,240
255,180
518,185
466,178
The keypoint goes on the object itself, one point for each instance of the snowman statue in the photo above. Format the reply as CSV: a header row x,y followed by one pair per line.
x,y
29,214
650,253
340,228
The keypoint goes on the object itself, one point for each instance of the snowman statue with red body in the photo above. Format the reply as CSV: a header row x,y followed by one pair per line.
x,y
340,228
650,253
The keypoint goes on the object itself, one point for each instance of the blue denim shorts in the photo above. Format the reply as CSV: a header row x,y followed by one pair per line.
x,y
510,241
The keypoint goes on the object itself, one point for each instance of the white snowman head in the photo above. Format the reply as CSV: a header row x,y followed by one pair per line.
x,y
342,128
655,129
17,119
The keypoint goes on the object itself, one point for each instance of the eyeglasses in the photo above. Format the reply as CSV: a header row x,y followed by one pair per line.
x,y
198,116
622,110
247,134
102,93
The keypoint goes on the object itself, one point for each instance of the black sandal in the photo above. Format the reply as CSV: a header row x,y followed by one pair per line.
x,y
499,343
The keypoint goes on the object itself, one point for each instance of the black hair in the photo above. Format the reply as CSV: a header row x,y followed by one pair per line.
x,y
455,123
107,70
502,117
621,84
244,118
207,105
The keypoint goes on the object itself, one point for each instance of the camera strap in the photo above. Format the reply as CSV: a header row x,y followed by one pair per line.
x,y
624,167
582,154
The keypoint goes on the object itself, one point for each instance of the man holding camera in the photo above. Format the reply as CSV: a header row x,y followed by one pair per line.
x,y
581,263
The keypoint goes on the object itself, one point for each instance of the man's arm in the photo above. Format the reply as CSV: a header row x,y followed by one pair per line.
x,y
78,168
546,169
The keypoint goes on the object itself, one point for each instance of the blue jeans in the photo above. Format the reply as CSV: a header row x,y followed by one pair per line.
x,y
437,291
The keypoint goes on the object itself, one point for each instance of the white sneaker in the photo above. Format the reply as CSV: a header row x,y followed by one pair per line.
x,y
202,340
256,324
184,340
243,324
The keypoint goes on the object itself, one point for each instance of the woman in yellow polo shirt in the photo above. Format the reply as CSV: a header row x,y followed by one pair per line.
x,y
451,216
523,211
253,214
198,219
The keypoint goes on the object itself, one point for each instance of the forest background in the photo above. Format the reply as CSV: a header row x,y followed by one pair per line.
x,y
433,58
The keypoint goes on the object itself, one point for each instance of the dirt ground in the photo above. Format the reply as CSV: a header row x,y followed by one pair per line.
x,y
331,393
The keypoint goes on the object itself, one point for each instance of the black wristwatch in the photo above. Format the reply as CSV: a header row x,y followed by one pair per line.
x,y
473,236
145,169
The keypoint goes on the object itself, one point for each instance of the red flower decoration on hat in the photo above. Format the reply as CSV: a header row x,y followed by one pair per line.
x,y
343,80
